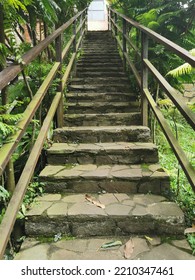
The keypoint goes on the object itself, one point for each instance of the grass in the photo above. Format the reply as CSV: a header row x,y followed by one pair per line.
x,y
181,190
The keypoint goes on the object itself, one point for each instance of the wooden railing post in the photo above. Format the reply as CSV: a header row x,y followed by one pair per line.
x,y
86,20
10,182
109,19
111,16
144,79
115,28
75,33
60,110
124,43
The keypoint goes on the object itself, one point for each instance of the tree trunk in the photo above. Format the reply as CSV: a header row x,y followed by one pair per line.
x,y
2,41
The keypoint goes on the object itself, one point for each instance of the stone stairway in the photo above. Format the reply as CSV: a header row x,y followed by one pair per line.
x,y
105,152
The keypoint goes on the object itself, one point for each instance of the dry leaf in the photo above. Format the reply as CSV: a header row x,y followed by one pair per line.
x,y
111,244
95,202
128,250
189,230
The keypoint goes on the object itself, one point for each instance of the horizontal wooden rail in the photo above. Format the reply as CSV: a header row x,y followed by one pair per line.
x,y
172,94
21,187
126,37
71,63
181,156
142,78
134,70
181,52
7,150
7,75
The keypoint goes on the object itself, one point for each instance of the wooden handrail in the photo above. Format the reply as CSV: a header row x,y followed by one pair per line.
x,y
142,81
9,73
16,199
181,52
6,152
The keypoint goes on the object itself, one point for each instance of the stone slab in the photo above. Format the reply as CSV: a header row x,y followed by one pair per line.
x,y
123,213
89,249
166,252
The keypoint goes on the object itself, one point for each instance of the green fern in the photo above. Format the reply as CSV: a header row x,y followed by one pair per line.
x,y
8,123
183,69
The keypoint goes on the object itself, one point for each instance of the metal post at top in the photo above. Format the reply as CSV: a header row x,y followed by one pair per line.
x,y
124,43
60,109
144,78
109,19
111,16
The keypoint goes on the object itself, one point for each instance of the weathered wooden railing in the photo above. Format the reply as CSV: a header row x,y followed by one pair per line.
x,y
78,23
119,24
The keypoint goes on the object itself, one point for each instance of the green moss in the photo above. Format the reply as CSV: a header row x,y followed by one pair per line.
x,y
70,165
50,239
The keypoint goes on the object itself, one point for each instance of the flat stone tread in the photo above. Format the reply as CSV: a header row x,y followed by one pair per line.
x,y
70,205
108,115
61,148
97,94
105,128
103,104
90,249
92,171
100,79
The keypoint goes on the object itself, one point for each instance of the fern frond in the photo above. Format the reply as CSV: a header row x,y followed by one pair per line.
x,y
6,129
183,69
10,119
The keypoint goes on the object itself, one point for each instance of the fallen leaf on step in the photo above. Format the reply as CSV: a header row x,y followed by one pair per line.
x,y
94,201
189,230
129,248
111,244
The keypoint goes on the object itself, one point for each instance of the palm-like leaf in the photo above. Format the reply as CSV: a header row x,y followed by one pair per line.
x,y
183,69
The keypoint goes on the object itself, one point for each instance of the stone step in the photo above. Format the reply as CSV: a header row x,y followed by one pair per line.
x,y
102,153
94,134
100,80
100,56
107,119
114,87
90,74
124,215
102,107
89,248
93,69
145,178
100,51
99,64
98,59
100,96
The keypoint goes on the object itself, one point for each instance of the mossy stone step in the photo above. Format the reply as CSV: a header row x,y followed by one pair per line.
x,y
100,96
113,87
100,80
123,215
94,134
110,178
99,64
102,153
90,74
93,68
107,119
102,107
